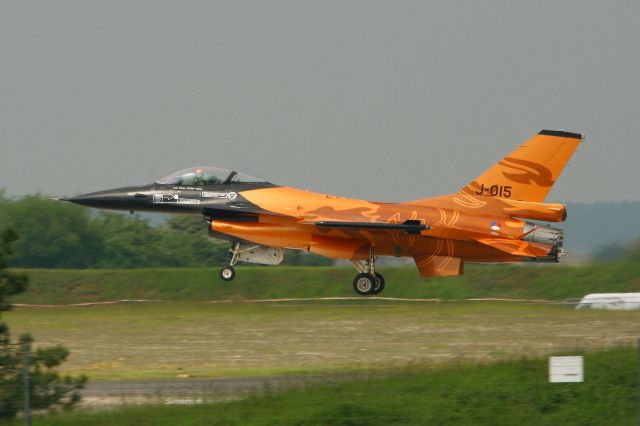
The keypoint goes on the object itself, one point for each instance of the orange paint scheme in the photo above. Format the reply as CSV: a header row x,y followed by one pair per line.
x,y
486,221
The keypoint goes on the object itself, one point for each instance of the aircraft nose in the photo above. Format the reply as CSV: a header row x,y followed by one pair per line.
x,y
111,199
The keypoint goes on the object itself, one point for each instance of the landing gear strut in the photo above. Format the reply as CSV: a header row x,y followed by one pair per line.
x,y
368,281
228,273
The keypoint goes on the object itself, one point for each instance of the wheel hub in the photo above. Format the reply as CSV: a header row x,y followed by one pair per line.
x,y
364,284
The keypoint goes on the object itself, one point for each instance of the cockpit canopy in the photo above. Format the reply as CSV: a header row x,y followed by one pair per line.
x,y
203,176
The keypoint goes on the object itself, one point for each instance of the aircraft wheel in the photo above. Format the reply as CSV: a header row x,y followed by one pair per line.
x,y
227,273
379,284
364,284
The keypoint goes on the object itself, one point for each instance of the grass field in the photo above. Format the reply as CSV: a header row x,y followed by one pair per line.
x,y
207,329
553,282
165,340
504,393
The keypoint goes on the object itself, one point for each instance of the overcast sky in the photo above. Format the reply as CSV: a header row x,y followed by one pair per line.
x,y
391,100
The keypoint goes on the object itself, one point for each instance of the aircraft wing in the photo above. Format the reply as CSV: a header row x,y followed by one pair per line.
x,y
411,227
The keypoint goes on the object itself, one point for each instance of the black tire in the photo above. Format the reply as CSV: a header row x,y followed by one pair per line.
x,y
363,284
379,284
227,273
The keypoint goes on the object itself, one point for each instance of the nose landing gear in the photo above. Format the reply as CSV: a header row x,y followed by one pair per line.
x,y
228,273
368,281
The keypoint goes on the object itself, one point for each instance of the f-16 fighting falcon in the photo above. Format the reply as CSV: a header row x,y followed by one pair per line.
x,y
488,220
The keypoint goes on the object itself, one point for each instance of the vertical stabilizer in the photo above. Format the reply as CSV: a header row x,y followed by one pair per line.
x,y
529,172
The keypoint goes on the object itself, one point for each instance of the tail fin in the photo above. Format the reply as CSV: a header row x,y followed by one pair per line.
x,y
529,172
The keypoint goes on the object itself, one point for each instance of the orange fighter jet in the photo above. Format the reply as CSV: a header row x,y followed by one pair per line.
x,y
485,221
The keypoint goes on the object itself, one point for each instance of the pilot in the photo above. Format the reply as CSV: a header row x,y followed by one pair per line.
x,y
199,179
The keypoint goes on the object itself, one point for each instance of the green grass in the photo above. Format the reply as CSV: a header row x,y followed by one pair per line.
x,y
168,340
553,282
504,393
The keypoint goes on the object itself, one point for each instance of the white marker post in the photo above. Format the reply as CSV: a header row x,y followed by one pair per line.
x,y
566,369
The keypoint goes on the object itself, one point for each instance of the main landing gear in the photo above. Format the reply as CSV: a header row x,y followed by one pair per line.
x,y
228,273
368,281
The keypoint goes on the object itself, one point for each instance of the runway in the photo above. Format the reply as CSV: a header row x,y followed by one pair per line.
x,y
195,390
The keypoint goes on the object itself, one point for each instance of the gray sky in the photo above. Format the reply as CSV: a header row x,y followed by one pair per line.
x,y
390,100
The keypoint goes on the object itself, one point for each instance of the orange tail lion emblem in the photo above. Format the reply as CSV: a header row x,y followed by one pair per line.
x,y
529,172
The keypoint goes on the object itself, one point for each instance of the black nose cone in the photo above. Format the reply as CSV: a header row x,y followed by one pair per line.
x,y
111,199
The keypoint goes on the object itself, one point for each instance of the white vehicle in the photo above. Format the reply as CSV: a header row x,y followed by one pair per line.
x,y
614,301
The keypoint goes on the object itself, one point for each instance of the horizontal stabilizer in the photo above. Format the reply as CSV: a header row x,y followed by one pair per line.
x,y
411,227
517,247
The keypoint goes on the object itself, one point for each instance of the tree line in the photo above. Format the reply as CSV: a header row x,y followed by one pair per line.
x,y
55,234
618,252
28,376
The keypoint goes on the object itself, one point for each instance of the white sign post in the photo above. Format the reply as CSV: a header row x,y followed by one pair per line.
x,y
566,369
